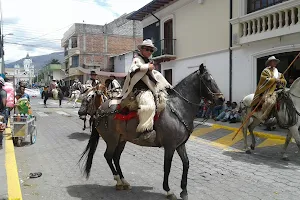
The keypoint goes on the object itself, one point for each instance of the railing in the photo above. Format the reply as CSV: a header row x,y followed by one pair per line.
x,y
278,20
165,47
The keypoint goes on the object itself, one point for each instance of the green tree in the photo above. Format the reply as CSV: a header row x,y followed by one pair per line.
x,y
54,61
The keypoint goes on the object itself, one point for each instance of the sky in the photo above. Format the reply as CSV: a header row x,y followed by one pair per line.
x,y
38,25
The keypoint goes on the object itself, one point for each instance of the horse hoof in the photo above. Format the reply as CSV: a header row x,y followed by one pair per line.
x,y
252,146
119,187
172,197
184,196
248,151
126,187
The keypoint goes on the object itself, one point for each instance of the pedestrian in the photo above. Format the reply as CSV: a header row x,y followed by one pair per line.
x,y
60,96
3,96
46,95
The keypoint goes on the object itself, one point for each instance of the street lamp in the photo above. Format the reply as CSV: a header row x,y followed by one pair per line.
x,y
1,52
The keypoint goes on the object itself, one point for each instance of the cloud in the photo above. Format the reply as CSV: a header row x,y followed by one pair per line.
x,y
38,26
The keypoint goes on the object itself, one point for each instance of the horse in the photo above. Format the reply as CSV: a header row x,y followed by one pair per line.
x,y
287,116
76,90
173,128
89,95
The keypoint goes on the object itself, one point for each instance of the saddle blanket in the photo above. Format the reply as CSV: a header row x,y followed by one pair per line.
x,y
125,114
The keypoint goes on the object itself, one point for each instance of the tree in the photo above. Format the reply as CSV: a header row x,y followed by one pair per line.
x,y
54,61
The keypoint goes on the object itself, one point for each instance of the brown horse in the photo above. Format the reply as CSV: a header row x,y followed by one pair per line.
x,y
173,128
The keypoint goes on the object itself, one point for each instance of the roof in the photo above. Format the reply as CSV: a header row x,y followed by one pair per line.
x,y
147,9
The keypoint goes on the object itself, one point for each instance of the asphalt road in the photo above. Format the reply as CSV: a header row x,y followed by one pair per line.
x,y
214,173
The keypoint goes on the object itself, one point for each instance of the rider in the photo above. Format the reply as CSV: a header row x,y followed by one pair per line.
x,y
145,83
270,80
114,86
93,80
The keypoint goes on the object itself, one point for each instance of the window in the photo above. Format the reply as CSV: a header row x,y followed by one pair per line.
x,y
75,61
254,5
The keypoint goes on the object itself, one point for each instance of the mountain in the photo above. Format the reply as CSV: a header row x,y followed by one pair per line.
x,y
39,61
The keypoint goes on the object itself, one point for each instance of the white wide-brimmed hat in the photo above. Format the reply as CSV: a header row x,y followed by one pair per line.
x,y
271,59
147,43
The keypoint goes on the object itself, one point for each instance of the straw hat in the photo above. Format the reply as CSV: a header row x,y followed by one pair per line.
x,y
147,43
271,59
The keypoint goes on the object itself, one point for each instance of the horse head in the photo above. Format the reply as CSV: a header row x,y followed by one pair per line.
x,y
209,87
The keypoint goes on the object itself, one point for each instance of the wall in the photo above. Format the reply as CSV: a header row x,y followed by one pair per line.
x,y
201,28
217,64
119,63
57,74
244,62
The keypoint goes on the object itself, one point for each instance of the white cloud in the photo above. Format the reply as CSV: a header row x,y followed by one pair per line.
x,y
41,23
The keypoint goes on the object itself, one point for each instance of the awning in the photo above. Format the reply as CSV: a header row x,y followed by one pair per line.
x,y
147,9
102,73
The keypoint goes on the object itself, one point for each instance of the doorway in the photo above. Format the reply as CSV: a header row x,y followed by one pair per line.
x,y
168,37
168,75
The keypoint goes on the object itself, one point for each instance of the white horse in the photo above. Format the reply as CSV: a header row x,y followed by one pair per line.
x,y
287,116
77,90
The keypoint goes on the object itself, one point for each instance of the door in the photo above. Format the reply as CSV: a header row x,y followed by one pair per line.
x,y
168,37
168,75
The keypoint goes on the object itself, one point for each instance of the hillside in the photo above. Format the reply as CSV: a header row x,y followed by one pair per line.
x,y
39,61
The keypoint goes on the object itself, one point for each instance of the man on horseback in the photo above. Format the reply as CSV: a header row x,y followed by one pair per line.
x,y
270,80
145,84
93,80
114,86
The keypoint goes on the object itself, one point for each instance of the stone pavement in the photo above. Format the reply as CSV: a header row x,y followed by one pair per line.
x,y
214,173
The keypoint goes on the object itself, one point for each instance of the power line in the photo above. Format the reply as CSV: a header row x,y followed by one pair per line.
x,y
38,47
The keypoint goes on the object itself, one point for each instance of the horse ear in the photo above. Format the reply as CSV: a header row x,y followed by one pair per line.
x,y
201,68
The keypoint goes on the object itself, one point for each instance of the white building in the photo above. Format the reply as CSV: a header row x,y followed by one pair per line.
x,y
26,72
190,32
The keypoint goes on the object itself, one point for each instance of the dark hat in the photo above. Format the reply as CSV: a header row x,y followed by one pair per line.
x,y
228,102
93,73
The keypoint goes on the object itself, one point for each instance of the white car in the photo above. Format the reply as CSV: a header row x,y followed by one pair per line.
x,y
33,93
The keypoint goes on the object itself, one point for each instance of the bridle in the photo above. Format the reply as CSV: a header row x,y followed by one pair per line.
x,y
213,94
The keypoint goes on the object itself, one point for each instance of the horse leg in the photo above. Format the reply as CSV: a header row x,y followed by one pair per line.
x,y
91,122
245,129
181,150
109,154
116,158
287,141
295,133
84,127
167,168
251,127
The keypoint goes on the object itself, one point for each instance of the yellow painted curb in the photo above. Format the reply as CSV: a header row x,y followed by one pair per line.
x,y
13,183
258,134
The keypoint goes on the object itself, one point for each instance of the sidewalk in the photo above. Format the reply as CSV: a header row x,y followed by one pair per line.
x,y
259,131
3,182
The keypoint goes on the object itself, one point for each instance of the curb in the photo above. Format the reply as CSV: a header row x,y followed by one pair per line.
x,y
256,133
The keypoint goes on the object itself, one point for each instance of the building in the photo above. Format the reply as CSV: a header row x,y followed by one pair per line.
x,y
23,73
89,47
188,33
261,29
51,72
233,38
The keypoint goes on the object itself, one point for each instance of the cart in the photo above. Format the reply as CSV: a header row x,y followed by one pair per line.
x,y
23,127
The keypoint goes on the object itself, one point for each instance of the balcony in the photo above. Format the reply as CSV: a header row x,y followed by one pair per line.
x,y
281,19
165,50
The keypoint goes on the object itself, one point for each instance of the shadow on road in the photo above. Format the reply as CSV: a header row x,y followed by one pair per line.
x,y
79,136
270,156
96,192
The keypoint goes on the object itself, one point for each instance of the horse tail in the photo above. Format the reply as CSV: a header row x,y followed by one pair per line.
x,y
89,152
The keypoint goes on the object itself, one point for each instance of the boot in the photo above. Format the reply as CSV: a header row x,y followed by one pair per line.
x,y
149,136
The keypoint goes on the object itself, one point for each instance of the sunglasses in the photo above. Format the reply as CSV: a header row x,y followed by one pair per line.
x,y
150,50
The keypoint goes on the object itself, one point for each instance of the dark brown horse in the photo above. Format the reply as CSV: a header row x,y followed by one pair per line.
x,y
173,128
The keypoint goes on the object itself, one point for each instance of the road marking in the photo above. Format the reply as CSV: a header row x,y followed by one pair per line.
x,y
227,140
42,114
13,183
203,131
270,143
62,113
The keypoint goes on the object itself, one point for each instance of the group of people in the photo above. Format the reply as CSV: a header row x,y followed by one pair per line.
x,y
229,112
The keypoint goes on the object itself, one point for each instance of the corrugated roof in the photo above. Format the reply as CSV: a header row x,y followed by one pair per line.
x,y
147,9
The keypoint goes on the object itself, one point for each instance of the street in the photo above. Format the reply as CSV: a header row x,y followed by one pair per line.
x,y
215,172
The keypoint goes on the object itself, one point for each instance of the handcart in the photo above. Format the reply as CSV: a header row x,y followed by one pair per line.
x,y
23,127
